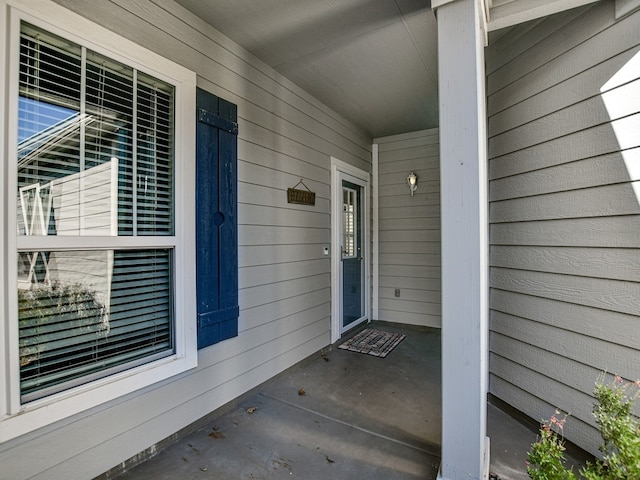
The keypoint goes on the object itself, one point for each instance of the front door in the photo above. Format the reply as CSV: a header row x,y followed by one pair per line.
x,y
350,253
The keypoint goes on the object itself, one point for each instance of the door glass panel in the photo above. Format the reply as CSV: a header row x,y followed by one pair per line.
x,y
348,223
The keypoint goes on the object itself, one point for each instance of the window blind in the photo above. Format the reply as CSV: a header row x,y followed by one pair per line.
x,y
117,314
95,158
122,114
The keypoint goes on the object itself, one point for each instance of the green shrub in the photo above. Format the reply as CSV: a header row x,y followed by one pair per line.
x,y
620,432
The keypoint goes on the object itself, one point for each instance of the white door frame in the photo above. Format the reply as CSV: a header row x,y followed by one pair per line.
x,y
340,169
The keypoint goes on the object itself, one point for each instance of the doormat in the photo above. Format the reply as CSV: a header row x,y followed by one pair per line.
x,y
373,342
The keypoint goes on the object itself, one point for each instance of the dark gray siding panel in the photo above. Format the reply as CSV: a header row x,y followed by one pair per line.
x,y
563,103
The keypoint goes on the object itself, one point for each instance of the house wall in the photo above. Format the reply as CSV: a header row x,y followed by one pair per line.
x,y
409,229
563,116
284,278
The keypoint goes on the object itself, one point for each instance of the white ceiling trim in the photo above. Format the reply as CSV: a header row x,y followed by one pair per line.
x,y
485,6
624,7
513,12
506,13
438,3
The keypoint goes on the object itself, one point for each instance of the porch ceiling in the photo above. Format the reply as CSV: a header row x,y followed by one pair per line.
x,y
373,61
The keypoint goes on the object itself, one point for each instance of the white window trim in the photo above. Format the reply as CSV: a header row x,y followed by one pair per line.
x,y
15,418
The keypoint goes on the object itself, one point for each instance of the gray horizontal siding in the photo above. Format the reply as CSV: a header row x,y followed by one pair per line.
x,y
564,212
285,287
409,229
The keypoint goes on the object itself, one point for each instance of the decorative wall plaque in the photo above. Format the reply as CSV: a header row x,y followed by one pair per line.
x,y
301,197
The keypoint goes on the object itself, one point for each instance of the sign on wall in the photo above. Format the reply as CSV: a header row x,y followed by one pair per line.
x,y
301,197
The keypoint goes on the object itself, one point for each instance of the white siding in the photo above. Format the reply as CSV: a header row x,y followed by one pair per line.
x,y
409,229
563,103
284,135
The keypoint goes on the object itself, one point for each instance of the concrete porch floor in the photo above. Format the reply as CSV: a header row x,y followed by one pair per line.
x,y
341,415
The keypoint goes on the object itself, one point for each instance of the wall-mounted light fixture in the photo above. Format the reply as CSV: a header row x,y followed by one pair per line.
x,y
412,180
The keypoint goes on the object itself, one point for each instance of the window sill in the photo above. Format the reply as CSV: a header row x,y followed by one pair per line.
x,y
43,412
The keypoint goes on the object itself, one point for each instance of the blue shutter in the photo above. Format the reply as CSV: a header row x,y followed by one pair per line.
x,y
216,219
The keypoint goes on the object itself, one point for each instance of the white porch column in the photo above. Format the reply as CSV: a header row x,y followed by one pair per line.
x,y
463,177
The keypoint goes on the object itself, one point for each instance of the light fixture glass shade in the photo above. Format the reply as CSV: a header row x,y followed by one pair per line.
x,y
412,180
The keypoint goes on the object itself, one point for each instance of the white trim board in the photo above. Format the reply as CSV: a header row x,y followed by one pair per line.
x,y
624,7
520,11
375,254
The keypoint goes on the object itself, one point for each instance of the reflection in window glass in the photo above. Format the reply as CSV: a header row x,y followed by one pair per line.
x,y
95,158
95,152
89,312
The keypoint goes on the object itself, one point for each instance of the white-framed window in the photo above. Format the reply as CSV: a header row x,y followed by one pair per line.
x,y
98,182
